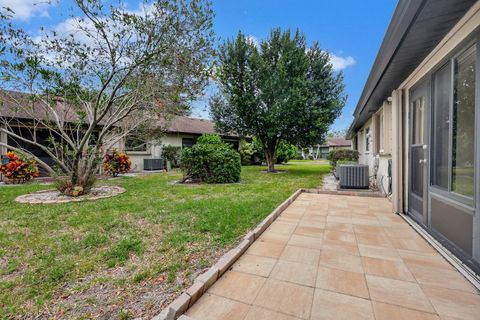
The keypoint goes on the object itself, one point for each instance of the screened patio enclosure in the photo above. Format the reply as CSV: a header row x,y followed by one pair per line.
x,y
443,152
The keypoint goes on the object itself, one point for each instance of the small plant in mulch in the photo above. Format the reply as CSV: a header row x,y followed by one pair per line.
x,y
19,169
116,162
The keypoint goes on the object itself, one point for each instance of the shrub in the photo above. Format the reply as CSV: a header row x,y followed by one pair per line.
x,y
116,162
285,152
19,169
210,160
171,154
211,139
342,154
247,150
339,162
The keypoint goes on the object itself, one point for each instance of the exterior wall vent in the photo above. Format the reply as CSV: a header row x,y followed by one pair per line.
x,y
353,176
152,164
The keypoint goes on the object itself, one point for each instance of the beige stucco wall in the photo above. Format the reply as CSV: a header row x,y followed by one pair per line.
x,y
364,156
154,150
377,160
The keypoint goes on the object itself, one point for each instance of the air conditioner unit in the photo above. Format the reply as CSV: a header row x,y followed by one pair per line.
x,y
353,176
152,164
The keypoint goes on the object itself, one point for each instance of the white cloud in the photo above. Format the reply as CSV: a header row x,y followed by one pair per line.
x,y
85,33
340,63
144,9
25,9
253,40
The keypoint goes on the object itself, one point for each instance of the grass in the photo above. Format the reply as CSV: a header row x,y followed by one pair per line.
x,y
129,255
308,161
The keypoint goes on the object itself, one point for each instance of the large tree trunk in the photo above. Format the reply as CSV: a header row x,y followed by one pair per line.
x,y
82,177
269,148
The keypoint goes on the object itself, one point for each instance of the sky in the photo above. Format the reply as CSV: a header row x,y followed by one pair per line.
x,y
350,30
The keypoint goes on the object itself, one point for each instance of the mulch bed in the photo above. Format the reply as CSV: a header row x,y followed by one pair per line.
x,y
54,196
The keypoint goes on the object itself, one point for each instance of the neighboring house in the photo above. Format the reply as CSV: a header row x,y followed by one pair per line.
x,y
23,123
334,143
417,123
181,132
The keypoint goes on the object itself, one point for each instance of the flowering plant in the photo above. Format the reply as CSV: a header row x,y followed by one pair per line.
x,y
116,162
19,169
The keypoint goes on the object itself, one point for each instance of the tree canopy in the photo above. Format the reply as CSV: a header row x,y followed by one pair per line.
x,y
280,90
104,74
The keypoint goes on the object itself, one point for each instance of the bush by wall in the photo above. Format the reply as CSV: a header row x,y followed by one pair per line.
x,y
171,154
210,160
342,155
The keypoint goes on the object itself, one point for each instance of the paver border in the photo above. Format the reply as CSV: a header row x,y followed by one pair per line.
x,y
204,281
350,192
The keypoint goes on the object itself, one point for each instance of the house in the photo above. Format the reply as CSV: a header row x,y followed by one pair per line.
x,y
334,143
417,122
181,131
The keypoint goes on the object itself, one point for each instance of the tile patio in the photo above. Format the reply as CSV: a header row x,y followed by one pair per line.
x,y
339,257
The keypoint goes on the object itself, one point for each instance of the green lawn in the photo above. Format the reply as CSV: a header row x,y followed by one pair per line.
x,y
130,255
300,161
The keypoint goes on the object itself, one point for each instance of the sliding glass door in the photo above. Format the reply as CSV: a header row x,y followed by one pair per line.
x,y
453,191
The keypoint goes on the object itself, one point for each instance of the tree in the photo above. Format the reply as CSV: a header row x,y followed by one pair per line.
x,y
107,74
281,90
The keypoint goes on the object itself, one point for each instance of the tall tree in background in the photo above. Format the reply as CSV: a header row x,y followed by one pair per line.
x,y
281,90
103,75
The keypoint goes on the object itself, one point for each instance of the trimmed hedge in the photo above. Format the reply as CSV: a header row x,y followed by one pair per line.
x,y
210,160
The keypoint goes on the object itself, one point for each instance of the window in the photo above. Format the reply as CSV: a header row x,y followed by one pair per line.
x,y
463,124
378,132
188,142
453,125
135,144
367,139
418,116
441,122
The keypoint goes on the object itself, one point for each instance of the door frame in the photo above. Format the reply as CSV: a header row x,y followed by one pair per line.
x,y
422,88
